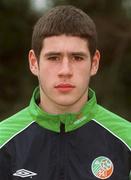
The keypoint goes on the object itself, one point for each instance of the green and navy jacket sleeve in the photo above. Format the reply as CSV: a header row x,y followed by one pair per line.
x,y
10,128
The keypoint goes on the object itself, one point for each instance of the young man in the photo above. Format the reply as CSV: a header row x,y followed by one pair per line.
x,y
64,134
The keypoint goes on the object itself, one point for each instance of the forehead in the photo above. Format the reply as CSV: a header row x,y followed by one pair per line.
x,y
65,43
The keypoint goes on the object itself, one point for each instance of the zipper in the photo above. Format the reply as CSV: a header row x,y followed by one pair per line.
x,y
62,128
62,152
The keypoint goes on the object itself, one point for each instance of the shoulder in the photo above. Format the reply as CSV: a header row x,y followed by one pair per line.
x,y
13,125
118,126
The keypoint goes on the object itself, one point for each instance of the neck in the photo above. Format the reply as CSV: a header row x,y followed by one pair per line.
x,y
53,108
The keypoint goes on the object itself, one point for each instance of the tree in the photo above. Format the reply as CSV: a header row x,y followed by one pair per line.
x,y
17,19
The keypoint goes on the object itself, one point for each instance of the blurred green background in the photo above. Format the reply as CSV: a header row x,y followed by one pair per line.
x,y
113,81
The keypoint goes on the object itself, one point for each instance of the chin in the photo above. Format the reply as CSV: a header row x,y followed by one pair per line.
x,y
66,103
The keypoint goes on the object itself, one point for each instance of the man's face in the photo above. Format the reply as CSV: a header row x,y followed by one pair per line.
x,y
64,70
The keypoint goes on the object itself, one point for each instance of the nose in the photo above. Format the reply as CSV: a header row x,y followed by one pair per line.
x,y
65,68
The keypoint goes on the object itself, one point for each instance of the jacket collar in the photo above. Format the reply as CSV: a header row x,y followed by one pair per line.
x,y
71,121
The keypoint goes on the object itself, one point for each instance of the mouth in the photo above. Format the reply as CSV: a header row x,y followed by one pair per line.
x,y
64,87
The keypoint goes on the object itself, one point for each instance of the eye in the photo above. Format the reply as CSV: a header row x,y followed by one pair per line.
x,y
53,58
78,58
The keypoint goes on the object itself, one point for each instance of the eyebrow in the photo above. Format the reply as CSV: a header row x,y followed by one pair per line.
x,y
70,53
52,54
79,54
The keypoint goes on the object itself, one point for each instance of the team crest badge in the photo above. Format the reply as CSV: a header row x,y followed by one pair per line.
x,y
102,167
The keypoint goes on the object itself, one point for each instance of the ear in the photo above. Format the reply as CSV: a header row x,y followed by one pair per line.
x,y
33,63
95,63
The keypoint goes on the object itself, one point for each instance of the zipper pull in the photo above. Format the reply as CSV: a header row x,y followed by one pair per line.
x,y
62,127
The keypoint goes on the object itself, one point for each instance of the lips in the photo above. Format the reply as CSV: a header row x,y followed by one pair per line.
x,y
64,87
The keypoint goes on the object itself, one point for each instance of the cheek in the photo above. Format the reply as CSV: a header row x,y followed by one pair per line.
x,y
83,78
48,68
84,73
44,69
46,75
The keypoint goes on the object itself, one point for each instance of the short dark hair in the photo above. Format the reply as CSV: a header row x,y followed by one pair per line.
x,y
67,20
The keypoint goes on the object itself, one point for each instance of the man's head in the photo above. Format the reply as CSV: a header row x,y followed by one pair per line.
x,y
64,57
66,20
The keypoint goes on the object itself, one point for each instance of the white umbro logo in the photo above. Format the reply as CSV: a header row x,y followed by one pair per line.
x,y
23,173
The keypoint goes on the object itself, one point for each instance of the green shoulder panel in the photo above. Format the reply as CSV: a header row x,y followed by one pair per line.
x,y
115,124
130,176
12,126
